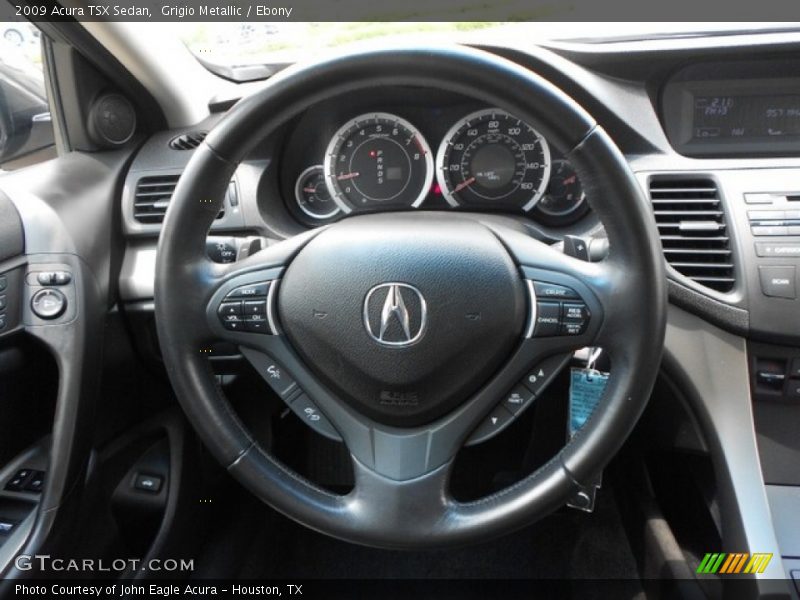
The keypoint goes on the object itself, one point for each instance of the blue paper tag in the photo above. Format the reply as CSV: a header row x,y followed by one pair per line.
x,y
585,390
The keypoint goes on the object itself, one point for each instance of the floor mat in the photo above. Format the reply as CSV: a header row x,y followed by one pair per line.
x,y
257,543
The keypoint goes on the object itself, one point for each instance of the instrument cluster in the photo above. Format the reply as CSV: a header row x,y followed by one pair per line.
x,y
487,160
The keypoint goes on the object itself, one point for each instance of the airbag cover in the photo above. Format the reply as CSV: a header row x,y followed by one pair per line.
x,y
403,316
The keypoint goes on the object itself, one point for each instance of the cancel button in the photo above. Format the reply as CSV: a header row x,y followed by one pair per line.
x,y
777,282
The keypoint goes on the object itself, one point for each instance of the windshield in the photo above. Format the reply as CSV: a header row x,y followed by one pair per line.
x,y
273,43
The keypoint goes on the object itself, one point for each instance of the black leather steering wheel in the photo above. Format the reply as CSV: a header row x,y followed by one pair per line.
x,y
474,275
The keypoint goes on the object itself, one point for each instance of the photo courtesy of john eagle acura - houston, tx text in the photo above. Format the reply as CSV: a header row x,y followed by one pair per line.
x,y
355,300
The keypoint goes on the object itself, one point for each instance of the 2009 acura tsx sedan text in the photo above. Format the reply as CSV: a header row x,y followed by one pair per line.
x,y
514,312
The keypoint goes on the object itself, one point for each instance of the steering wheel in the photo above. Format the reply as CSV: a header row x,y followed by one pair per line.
x,y
461,292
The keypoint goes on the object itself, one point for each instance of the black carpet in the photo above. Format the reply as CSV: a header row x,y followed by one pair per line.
x,y
250,541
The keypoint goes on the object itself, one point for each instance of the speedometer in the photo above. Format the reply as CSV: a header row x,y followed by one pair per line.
x,y
378,160
491,159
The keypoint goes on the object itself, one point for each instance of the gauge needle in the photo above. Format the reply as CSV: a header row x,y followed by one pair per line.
x,y
309,190
347,176
569,180
464,184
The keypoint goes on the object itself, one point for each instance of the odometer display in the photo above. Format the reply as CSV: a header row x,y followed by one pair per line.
x,y
378,160
491,159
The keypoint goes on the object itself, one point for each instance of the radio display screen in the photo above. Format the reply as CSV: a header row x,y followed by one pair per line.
x,y
746,116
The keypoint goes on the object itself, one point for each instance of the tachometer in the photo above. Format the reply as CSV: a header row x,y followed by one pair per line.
x,y
378,160
491,159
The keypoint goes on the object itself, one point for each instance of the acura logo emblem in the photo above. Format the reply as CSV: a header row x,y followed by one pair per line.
x,y
395,314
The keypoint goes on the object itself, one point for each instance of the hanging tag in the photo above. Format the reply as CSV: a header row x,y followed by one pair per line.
x,y
585,391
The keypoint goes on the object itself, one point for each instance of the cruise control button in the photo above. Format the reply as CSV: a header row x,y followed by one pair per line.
x,y
230,308
573,328
518,399
3,282
3,302
3,322
547,319
249,291
491,425
311,416
48,304
575,311
551,290
279,380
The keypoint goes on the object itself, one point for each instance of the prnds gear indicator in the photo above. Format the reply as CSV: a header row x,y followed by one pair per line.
x,y
378,160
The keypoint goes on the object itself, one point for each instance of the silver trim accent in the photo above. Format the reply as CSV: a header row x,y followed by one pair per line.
x,y
273,324
298,186
444,181
724,407
532,313
330,175
394,306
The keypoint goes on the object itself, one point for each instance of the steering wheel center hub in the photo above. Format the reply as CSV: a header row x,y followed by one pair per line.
x,y
403,316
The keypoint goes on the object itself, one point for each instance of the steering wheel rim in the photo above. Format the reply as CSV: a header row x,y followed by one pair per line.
x,y
407,504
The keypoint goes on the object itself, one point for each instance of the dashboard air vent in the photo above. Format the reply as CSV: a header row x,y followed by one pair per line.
x,y
691,224
188,141
152,197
